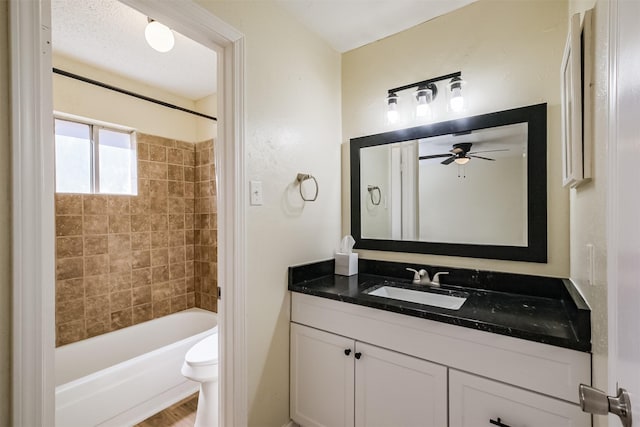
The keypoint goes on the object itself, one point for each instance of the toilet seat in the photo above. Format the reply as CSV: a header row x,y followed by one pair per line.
x,y
204,352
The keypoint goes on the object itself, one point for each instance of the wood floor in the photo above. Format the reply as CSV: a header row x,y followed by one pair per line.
x,y
181,414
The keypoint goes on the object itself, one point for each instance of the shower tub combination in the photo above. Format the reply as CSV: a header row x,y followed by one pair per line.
x,y
122,377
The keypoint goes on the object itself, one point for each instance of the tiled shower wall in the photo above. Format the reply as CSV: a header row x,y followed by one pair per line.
x,y
123,260
205,241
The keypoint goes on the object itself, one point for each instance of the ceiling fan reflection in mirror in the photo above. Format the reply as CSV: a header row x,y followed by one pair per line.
x,y
460,154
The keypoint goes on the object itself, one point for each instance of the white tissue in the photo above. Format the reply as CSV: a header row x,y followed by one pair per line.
x,y
346,246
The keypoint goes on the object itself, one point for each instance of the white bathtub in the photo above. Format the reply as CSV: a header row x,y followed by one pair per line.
x,y
121,378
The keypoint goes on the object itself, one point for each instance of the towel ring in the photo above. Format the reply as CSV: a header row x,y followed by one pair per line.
x,y
371,189
302,177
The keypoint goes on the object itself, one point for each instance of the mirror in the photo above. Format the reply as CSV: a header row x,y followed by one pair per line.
x,y
473,187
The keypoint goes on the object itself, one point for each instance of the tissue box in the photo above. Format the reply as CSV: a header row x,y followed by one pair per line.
x,y
346,264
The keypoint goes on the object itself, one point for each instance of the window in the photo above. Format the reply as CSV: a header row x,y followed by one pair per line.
x,y
94,159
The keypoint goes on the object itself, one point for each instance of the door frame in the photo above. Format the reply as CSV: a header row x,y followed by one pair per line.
x,y
33,226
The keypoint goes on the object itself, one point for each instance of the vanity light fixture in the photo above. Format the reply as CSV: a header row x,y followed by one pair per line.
x,y
426,93
392,108
159,36
456,100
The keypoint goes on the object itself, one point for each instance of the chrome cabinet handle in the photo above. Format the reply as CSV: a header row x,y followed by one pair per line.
x,y
498,422
596,401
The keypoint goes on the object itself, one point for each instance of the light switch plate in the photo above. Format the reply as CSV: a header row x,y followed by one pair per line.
x,y
255,189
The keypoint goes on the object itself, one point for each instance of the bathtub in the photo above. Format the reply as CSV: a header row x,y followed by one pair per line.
x,y
122,377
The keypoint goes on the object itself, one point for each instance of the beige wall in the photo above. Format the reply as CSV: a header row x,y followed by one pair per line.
x,y
5,221
75,97
292,125
510,53
588,202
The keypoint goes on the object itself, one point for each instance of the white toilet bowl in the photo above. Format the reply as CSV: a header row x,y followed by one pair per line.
x,y
201,365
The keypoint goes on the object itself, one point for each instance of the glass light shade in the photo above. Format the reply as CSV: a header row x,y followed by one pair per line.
x,y
159,36
392,108
457,100
424,97
462,160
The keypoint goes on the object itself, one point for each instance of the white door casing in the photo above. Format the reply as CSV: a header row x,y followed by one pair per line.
x,y
33,219
623,214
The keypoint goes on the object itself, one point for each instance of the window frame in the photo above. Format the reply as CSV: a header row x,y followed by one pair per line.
x,y
94,148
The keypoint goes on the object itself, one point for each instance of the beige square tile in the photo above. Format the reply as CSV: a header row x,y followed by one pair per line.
x,y
176,189
189,205
176,271
94,204
177,238
189,221
120,300
141,295
140,223
140,259
67,333
189,269
143,189
121,319
157,171
69,310
189,174
161,308
159,222
174,156
160,239
144,168
160,291
140,241
176,221
189,146
159,274
96,265
98,326
178,303
69,268
175,173
140,205
141,277
189,253
70,289
190,284
191,300
177,254
96,245
178,287
158,188
157,153
142,151
118,205
119,281
119,224
159,205
98,307
96,285
119,263
189,190
67,247
68,225
142,313
96,224
68,204
159,257
176,205
119,243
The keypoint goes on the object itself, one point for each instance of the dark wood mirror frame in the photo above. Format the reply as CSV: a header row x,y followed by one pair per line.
x,y
535,251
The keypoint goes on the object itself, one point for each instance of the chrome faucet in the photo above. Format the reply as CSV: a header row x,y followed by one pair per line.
x,y
436,278
420,277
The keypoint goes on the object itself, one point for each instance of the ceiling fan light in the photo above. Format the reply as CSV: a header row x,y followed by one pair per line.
x,y
159,36
462,160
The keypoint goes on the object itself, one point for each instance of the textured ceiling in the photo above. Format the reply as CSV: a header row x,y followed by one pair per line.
x,y
109,35
348,24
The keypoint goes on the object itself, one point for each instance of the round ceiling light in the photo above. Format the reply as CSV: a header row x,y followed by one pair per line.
x,y
160,37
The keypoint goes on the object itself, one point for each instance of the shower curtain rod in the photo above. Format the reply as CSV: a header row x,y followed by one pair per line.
x,y
127,92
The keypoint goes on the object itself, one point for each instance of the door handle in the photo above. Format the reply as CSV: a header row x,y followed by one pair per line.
x,y
597,402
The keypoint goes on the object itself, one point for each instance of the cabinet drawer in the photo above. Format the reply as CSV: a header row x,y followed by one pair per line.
x,y
475,401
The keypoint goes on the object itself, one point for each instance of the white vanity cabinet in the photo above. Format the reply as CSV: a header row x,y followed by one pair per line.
x,y
337,381
412,371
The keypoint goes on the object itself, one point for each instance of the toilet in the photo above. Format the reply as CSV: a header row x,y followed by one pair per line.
x,y
201,365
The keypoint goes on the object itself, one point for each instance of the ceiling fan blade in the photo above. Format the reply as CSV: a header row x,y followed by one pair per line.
x,y
487,151
449,160
480,157
433,156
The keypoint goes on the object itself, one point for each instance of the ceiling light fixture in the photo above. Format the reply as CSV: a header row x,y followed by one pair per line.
x,y
426,93
159,36
463,160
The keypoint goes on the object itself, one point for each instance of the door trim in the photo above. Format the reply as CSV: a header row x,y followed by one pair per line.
x,y
33,246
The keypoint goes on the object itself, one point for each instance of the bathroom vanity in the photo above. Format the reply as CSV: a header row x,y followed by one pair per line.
x,y
513,354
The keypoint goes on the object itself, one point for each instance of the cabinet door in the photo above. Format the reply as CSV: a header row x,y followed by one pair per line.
x,y
321,378
475,401
394,389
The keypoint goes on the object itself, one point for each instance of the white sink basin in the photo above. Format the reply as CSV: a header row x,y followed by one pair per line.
x,y
419,297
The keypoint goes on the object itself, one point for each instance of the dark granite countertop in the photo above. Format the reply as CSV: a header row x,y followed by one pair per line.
x,y
535,308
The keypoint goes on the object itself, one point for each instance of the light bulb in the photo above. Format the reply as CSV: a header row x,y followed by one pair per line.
x,y
457,100
392,108
160,37
462,160
424,96
423,110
